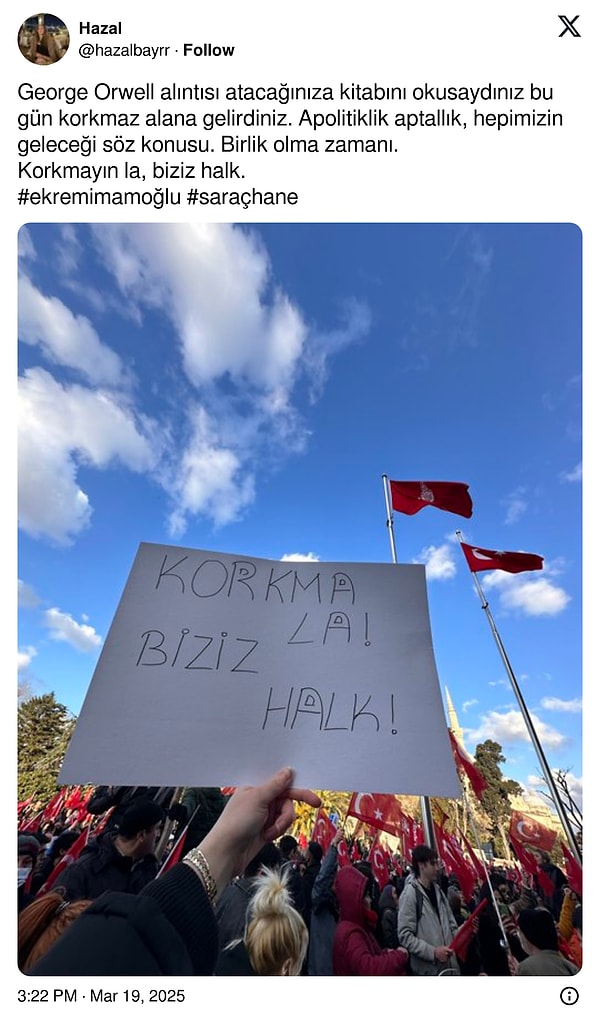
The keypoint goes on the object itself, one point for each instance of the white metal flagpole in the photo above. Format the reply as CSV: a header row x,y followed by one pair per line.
x,y
425,804
528,721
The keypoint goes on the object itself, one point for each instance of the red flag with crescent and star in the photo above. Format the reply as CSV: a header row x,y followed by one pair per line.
x,y
323,830
411,496
527,830
378,857
382,811
496,559
343,854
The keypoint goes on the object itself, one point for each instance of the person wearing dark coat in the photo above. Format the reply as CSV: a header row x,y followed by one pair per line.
x,y
232,906
48,862
324,913
123,862
275,939
388,916
170,929
356,951
314,857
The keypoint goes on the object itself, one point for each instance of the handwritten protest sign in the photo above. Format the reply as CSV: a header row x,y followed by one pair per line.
x,y
219,669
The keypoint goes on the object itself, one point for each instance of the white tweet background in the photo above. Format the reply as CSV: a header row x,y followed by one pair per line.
x,y
514,175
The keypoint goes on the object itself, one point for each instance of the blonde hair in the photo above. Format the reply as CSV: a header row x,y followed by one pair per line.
x,y
276,933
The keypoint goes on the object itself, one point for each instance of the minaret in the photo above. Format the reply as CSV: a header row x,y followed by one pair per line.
x,y
454,724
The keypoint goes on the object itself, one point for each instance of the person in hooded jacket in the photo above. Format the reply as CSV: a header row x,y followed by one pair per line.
x,y
324,913
356,951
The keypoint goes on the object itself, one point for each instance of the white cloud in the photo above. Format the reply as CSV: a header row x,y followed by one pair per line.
x,y
575,785
65,338
516,506
26,249
573,705
241,348
508,727
27,598
59,428
469,703
439,562
24,657
573,475
63,627
298,557
528,594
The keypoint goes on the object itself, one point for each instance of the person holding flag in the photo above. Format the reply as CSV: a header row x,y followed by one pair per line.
x,y
426,925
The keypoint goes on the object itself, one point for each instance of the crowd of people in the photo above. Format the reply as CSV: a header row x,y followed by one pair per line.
x,y
243,898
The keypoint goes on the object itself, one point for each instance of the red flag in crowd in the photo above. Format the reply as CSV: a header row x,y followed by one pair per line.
x,y
33,825
175,854
462,938
70,855
530,831
464,764
378,857
525,857
477,863
544,882
411,496
496,559
55,804
323,831
343,854
450,851
573,871
382,811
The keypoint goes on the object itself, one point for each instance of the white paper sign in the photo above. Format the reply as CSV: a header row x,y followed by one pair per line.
x,y
219,669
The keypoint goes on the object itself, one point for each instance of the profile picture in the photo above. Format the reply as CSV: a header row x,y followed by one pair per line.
x,y
43,39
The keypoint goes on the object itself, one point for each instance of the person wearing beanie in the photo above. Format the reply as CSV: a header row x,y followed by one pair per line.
x,y
539,940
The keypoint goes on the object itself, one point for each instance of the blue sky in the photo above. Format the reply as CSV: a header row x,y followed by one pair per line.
x,y
244,388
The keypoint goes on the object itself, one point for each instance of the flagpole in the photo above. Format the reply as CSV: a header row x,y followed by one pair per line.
x,y
424,800
528,721
471,818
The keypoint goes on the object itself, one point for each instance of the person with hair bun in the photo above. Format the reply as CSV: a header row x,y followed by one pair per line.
x,y
42,923
275,940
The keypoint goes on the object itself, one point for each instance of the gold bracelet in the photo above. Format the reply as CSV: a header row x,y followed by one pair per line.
x,y
197,860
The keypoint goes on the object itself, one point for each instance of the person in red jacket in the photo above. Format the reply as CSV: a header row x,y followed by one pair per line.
x,y
356,951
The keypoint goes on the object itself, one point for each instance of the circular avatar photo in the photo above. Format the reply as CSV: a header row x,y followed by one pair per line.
x,y
43,39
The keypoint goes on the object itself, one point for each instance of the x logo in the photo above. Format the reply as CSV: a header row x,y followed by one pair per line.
x,y
569,24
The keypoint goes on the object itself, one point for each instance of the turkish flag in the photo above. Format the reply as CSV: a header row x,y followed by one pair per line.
x,y
475,777
382,811
411,496
70,855
524,856
323,830
477,864
343,854
378,857
462,938
496,559
450,851
573,871
529,831
33,825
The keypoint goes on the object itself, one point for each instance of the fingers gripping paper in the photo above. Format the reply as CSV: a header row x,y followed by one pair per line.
x,y
219,668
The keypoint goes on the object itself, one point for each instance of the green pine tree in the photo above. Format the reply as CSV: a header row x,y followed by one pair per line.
x,y
45,727
495,800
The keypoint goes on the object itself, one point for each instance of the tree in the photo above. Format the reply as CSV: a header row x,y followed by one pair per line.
x,y
44,730
495,800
